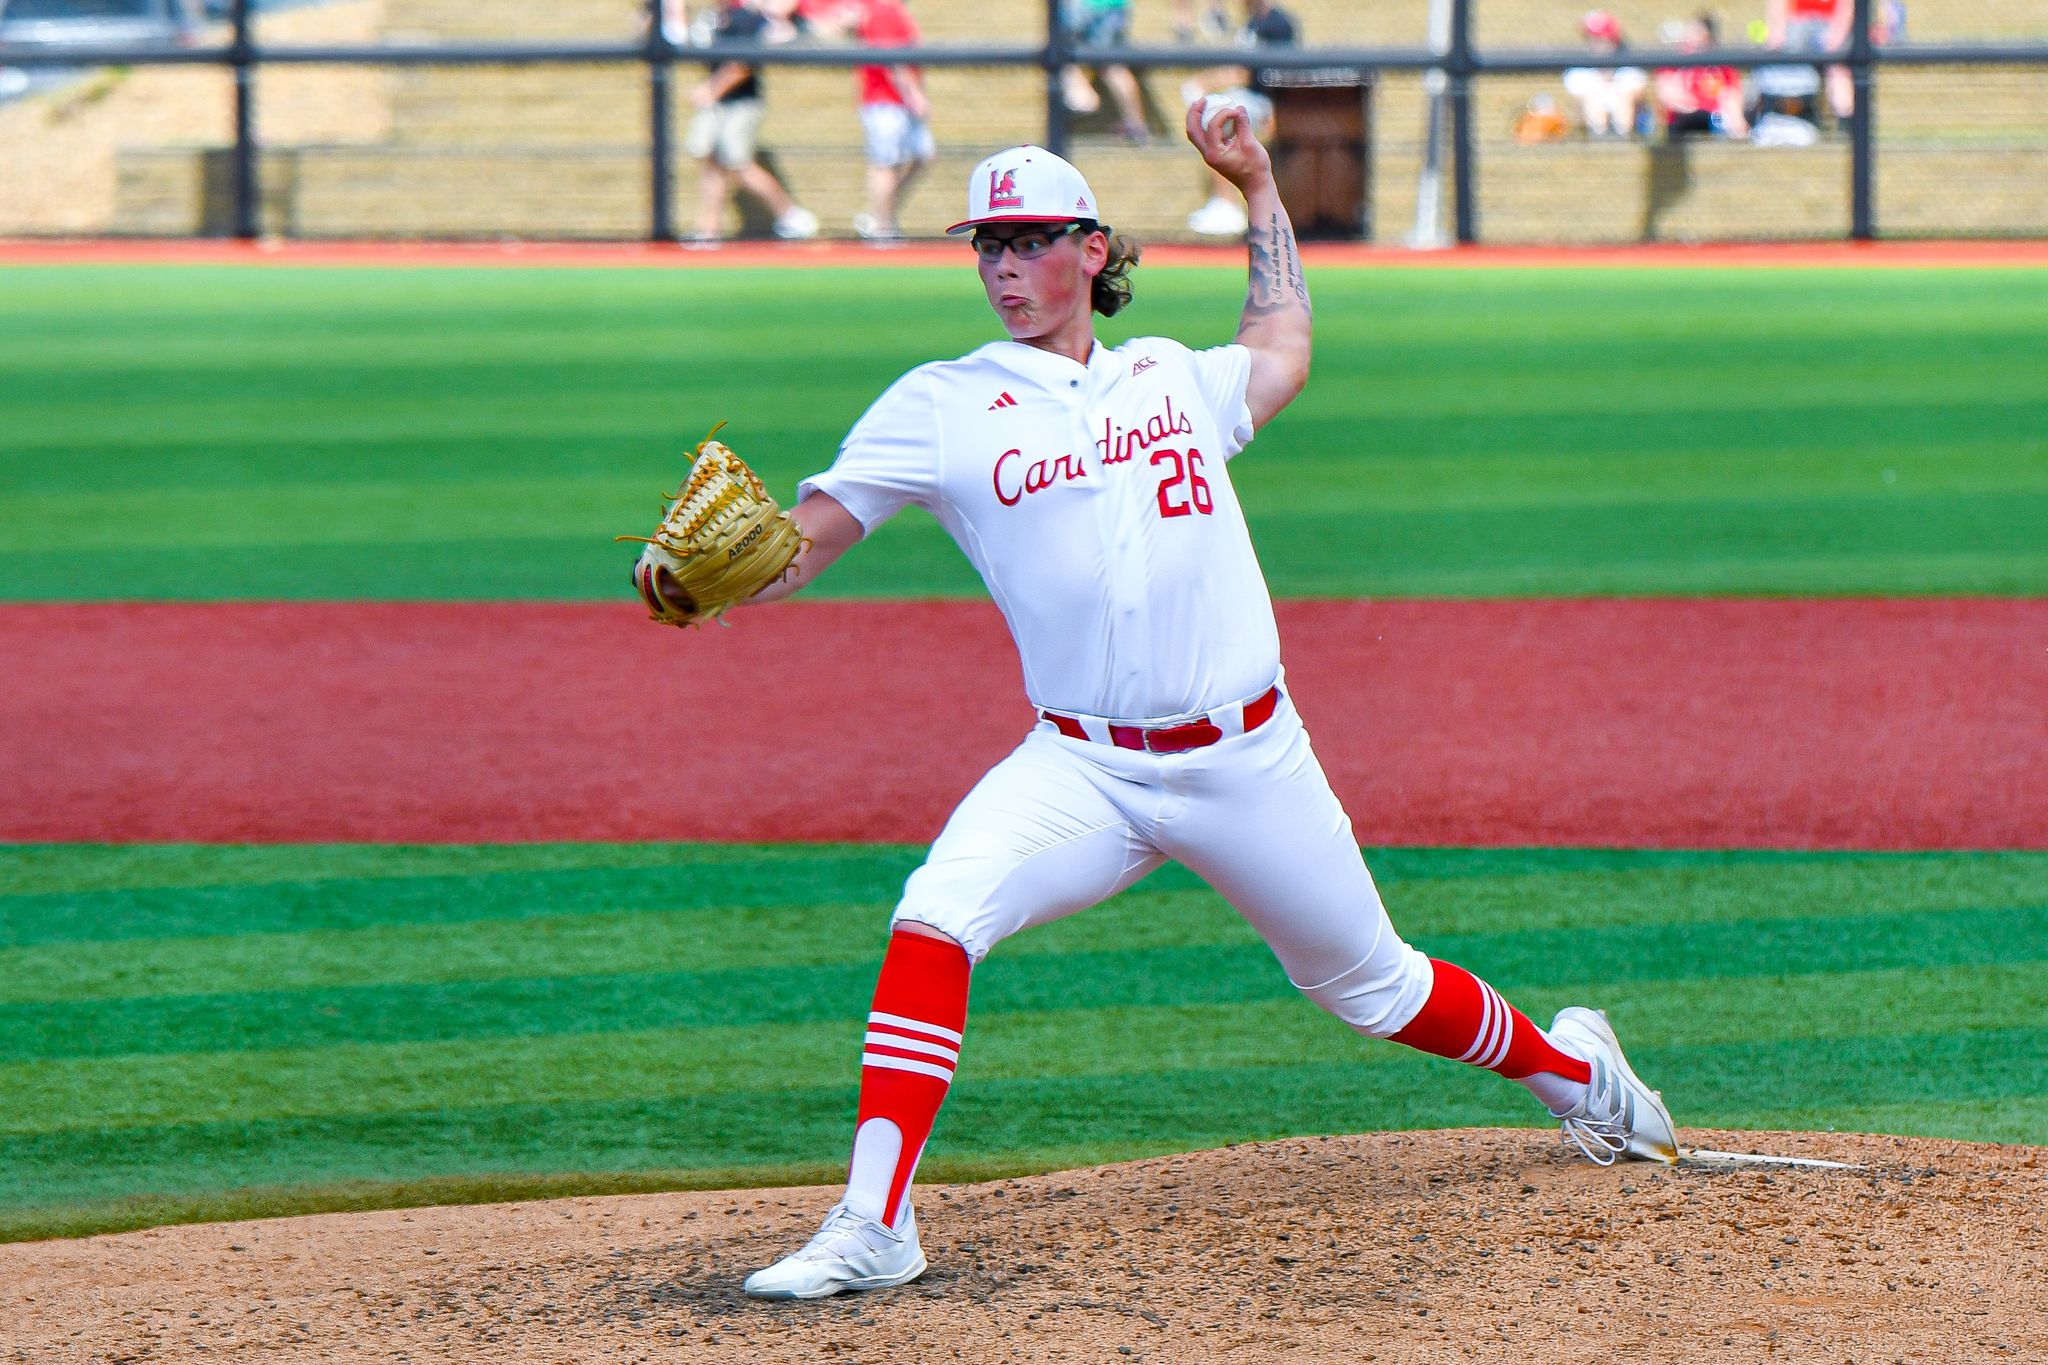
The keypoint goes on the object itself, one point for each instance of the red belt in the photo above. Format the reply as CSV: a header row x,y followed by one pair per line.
x,y
1171,739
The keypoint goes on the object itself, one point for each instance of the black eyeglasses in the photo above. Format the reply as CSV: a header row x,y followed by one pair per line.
x,y
1026,246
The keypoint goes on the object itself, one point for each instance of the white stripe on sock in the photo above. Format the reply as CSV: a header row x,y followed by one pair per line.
x,y
1484,1037
906,1064
1504,1029
916,1025
942,1051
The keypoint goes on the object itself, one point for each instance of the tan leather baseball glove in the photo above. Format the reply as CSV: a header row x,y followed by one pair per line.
x,y
721,540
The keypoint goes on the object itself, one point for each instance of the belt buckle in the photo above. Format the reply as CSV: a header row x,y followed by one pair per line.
x,y
1196,734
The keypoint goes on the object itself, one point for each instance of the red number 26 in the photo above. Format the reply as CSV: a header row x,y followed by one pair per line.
x,y
1173,500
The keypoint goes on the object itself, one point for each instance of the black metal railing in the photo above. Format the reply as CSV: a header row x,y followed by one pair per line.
x,y
1455,65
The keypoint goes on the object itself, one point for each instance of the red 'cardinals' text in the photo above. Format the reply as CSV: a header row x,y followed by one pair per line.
x,y
1014,480
1117,444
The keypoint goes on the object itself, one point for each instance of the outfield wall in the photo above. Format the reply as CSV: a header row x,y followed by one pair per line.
x,y
560,151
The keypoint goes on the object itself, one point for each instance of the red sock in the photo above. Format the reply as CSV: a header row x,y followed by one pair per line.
x,y
1466,1020
906,1065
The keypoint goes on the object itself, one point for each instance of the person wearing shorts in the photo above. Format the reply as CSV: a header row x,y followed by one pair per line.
x,y
1816,26
724,136
894,116
1104,23
1610,100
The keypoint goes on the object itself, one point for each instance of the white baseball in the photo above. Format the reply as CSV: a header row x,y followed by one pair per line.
x,y
1216,105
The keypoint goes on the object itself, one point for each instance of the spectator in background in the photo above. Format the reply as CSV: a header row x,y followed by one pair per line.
x,y
894,118
1104,23
1786,108
1265,25
724,134
675,24
786,20
1817,26
1610,101
1211,25
1701,99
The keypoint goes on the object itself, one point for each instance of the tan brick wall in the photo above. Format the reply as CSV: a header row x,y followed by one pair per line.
x,y
1936,190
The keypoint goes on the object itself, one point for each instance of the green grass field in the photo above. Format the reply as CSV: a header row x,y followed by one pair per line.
x,y
222,1031
447,433
206,1032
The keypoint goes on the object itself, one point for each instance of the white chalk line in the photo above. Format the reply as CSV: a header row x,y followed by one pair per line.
x,y
1760,1159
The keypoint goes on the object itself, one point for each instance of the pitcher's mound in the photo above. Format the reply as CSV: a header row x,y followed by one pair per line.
x,y
1488,1245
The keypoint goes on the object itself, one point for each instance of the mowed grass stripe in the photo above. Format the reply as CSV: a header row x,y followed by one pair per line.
x,y
1429,890
777,941
1553,449
1244,1021
1765,1084
65,871
1237,967
70,892
1479,433
1965,996
1987,543
169,891
419,514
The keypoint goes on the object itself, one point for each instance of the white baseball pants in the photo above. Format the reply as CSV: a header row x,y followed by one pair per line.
x,y
1063,823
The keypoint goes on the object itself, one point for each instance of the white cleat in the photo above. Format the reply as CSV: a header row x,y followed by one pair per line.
x,y
849,1252
797,225
869,228
1620,1116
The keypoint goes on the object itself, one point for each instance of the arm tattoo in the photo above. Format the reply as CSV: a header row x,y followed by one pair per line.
x,y
1276,280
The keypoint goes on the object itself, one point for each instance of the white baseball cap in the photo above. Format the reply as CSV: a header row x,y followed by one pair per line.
x,y
1026,185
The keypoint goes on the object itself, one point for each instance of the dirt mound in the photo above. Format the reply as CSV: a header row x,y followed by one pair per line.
x,y
1488,1245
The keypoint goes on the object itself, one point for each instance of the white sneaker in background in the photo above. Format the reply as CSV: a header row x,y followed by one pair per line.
x,y
797,225
870,229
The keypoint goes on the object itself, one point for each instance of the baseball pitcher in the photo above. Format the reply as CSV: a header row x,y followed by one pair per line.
x,y
1091,488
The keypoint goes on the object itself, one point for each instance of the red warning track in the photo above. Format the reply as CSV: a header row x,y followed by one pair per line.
x,y
843,255
1788,724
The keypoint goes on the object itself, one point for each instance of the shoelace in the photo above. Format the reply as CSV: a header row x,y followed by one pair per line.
x,y
1605,1092
843,1231
1609,1136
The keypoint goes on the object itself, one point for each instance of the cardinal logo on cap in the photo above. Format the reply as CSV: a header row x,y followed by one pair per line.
x,y
1002,190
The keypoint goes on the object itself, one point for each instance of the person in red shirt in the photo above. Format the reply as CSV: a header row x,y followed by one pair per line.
x,y
1701,99
894,116
1815,26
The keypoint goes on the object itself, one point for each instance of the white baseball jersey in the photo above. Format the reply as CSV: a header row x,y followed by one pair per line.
x,y
1095,502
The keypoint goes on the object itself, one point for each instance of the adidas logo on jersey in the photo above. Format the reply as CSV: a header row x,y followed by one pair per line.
x,y
1002,401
